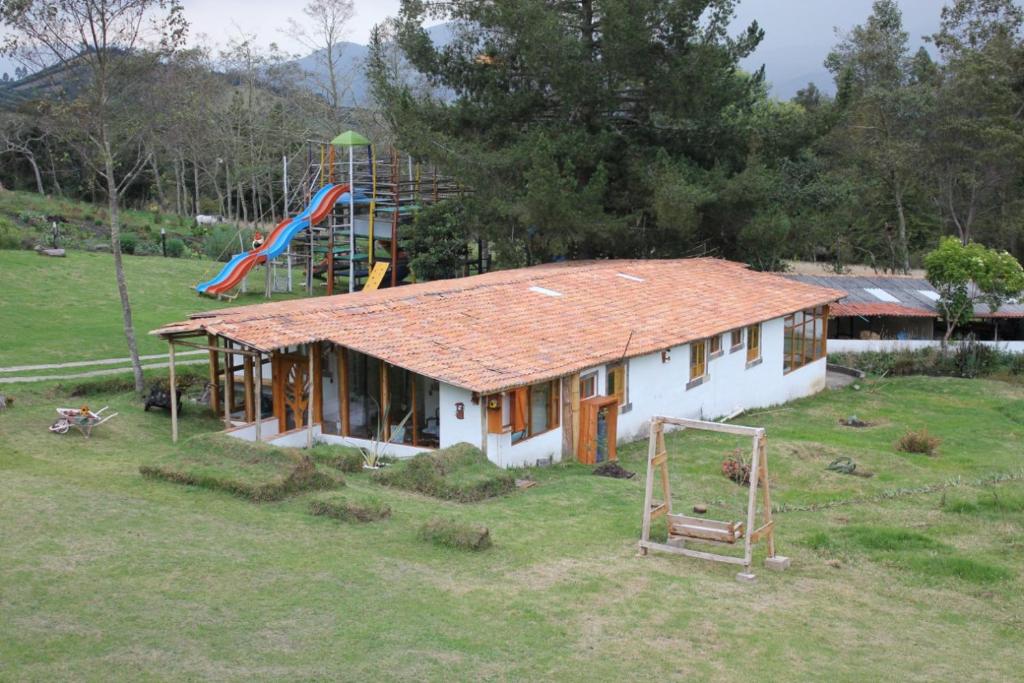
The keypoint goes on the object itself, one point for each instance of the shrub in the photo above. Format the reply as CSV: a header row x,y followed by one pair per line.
x,y
918,442
175,247
221,243
348,511
454,534
461,473
253,471
129,242
339,457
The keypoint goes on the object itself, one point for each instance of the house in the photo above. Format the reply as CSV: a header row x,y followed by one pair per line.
x,y
905,308
554,361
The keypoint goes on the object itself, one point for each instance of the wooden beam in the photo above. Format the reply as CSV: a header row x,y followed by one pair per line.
x,y
316,385
214,375
259,398
247,379
214,348
738,430
343,407
309,399
229,383
174,391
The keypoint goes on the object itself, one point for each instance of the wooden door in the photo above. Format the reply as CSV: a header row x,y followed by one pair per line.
x,y
291,390
592,412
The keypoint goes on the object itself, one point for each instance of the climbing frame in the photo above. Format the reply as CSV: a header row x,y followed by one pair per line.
x,y
683,528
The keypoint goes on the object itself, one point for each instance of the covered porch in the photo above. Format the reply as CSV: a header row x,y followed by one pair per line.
x,y
316,391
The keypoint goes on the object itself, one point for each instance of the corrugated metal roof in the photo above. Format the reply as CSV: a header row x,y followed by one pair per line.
x,y
910,294
496,331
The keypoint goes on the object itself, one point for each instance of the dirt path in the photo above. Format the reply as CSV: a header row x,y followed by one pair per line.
x,y
94,373
87,363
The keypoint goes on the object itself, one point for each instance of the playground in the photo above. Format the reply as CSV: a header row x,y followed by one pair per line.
x,y
352,205
107,573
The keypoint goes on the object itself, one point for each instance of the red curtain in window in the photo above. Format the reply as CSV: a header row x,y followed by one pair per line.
x,y
520,409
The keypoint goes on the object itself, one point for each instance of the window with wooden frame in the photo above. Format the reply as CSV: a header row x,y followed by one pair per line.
x,y
698,360
803,339
736,339
616,383
534,410
588,385
715,346
754,343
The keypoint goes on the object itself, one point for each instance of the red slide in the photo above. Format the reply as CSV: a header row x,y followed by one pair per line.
x,y
258,256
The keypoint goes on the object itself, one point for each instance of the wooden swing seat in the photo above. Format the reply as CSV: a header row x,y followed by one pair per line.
x,y
681,526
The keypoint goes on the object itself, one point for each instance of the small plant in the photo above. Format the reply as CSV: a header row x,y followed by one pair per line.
x,y
349,511
455,534
918,441
736,468
175,247
128,243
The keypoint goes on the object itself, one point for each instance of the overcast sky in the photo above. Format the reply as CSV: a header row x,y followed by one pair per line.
x,y
799,33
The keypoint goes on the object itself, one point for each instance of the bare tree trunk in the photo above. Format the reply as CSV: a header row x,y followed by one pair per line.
x,y
177,187
122,285
242,203
57,189
904,254
35,170
195,180
160,198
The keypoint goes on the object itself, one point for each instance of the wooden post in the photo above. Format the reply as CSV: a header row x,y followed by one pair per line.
x,y
174,391
316,386
652,445
259,397
755,475
343,407
385,403
229,388
248,388
309,402
767,509
214,375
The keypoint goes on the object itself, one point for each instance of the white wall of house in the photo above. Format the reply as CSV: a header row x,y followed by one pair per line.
x,y
453,430
657,387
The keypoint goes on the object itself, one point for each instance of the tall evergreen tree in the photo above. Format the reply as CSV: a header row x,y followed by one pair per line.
x,y
571,119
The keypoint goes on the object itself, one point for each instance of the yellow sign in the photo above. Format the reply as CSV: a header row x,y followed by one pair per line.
x,y
376,276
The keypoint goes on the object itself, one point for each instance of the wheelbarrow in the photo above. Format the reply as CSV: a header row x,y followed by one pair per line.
x,y
82,419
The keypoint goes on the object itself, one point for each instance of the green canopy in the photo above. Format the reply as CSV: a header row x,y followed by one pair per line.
x,y
350,138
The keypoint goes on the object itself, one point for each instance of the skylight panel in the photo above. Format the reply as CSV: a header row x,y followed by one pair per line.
x,y
929,294
881,295
634,278
545,291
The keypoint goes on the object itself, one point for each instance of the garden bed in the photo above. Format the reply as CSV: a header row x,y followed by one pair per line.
x,y
461,473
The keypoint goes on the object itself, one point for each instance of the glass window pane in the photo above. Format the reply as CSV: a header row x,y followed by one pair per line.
x,y
540,394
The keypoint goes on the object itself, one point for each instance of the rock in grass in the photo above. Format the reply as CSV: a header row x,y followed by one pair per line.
x,y
349,511
454,534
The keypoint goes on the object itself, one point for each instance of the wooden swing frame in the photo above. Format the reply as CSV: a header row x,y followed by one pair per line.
x,y
682,528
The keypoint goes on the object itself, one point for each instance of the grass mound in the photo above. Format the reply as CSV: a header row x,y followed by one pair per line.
x,y
341,458
461,473
918,442
342,509
254,471
454,534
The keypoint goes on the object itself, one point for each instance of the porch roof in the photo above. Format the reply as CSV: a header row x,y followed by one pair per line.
x,y
509,328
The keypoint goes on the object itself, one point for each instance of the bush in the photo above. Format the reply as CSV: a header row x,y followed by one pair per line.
x,y
964,359
339,457
918,442
454,534
175,247
348,511
128,243
221,243
461,473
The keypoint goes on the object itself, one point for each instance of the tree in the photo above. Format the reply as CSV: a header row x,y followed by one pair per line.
x,y
326,22
554,113
18,137
978,135
966,275
883,112
101,55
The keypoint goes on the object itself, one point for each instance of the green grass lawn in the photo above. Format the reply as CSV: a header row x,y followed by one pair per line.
x,y
55,310
105,574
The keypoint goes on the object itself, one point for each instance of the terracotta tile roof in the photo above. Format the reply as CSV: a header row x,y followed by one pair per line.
x,y
843,308
509,328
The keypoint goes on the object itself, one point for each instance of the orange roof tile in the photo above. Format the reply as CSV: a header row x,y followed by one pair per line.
x,y
508,328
